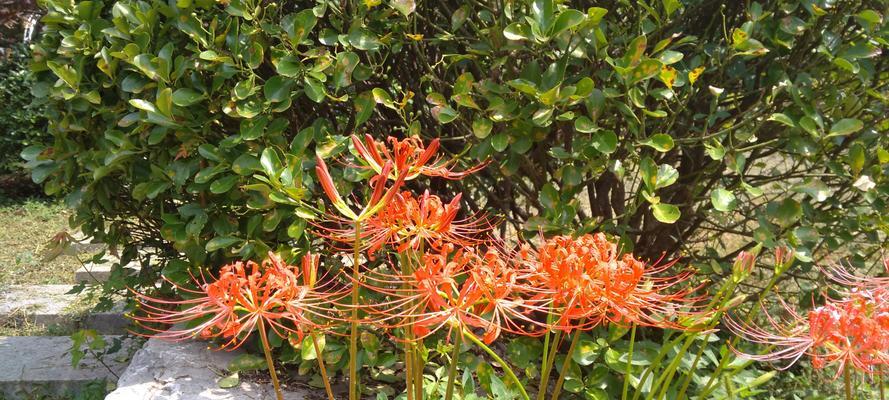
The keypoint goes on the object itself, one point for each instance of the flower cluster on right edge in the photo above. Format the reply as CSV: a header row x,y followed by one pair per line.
x,y
848,333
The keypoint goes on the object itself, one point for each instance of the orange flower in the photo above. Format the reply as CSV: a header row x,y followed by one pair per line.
x,y
406,222
232,306
425,300
839,274
592,284
409,157
853,331
503,296
377,200
457,288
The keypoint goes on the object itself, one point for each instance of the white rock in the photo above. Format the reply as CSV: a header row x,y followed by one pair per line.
x,y
42,364
185,371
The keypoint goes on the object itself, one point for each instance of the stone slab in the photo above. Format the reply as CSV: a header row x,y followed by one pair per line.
x,y
100,272
36,366
186,371
51,306
39,304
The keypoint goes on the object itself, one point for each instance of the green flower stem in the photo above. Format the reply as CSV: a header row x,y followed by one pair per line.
x,y
723,362
418,361
665,349
847,381
623,395
499,360
687,381
455,359
321,367
544,373
558,389
353,334
666,379
268,360
882,387
413,363
728,289
548,365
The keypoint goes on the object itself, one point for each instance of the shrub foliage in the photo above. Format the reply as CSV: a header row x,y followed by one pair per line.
x,y
21,122
189,126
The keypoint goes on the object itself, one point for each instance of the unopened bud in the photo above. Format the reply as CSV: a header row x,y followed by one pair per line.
x,y
783,259
743,265
735,301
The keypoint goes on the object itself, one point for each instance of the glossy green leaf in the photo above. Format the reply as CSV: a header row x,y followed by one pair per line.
x,y
666,213
660,142
566,20
405,7
277,88
723,200
364,107
185,97
846,126
221,242
299,25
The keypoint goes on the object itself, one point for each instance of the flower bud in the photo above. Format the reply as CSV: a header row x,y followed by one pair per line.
x,y
783,259
743,265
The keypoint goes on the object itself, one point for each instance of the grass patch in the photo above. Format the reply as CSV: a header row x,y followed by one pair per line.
x,y
26,226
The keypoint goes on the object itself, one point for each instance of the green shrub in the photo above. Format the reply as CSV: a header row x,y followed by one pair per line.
x,y
701,128
676,125
21,122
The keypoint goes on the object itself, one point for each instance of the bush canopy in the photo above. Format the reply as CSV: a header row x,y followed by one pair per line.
x,y
190,129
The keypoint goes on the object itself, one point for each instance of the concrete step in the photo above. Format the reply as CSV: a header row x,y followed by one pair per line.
x,y
40,366
92,272
51,307
189,370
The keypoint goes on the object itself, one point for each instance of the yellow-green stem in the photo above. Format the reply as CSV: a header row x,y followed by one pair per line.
x,y
665,380
565,364
408,370
709,386
418,371
321,368
882,387
544,374
408,337
847,380
455,359
687,381
268,360
418,360
548,365
353,334
506,367
623,395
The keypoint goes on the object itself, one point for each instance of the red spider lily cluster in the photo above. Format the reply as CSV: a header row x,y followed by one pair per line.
x,y
409,156
245,295
591,283
407,222
451,274
467,279
850,332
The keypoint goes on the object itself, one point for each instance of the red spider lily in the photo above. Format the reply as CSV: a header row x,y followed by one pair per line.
x,y
377,200
849,332
407,222
592,284
504,297
409,157
232,306
456,288
425,300
843,276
